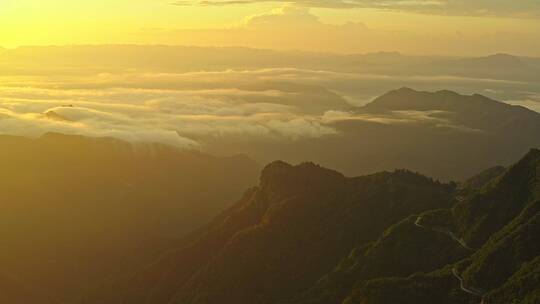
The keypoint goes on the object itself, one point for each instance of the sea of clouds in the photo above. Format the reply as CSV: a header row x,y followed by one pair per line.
x,y
185,109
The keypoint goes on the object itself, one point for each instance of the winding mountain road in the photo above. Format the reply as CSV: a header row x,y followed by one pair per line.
x,y
461,242
444,231
471,290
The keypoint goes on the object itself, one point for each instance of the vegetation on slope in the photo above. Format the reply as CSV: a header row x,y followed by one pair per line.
x,y
294,228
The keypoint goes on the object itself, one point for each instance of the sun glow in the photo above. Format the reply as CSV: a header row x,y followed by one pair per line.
x,y
66,22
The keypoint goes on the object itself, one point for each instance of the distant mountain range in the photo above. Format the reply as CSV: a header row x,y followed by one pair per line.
x,y
310,235
498,66
316,107
188,58
441,134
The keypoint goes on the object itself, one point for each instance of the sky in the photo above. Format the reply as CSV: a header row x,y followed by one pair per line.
x,y
345,26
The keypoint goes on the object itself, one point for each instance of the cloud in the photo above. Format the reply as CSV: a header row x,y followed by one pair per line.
x,y
528,103
431,118
36,124
165,121
297,28
146,107
288,17
191,109
510,8
336,4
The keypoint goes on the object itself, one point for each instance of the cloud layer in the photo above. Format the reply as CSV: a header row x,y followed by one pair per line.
x,y
298,96
295,26
186,109
177,109
510,8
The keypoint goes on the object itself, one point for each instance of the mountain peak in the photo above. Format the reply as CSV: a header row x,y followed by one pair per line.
x,y
495,61
532,155
447,93
404,90
276,166
443,100
535,151
502,56
282,178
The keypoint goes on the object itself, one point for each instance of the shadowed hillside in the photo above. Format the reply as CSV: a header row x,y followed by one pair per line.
x,y
282,236
74,207
499,226
310,235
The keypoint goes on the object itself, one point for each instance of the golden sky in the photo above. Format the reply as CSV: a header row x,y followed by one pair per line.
x,y
428,26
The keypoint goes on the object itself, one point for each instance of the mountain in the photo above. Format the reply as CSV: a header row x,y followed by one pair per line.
x,y
522,285
110,58
499,226
473,113
163,58
307,106
496,66
483,178
74,208
311,235
442,134
282,236
497,61
403,249
435,129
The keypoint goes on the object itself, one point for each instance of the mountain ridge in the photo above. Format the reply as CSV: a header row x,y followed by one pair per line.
x,y
309,209
287,242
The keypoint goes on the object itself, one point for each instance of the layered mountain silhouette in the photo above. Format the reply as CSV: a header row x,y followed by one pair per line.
x,y
497,66
75,208
113,57
441,134
282,236
89,220
311,235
